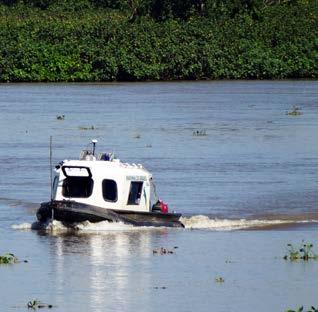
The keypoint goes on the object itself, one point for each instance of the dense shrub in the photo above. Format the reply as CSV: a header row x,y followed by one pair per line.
x,y
102,40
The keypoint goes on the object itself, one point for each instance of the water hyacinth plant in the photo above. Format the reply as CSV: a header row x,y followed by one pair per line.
x,y
36,304
8,258
295,112
60,117
219,279
201,132
87,128
162,251
304,252
301,309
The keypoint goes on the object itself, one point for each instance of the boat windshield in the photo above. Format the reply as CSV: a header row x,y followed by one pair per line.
x,y
81,187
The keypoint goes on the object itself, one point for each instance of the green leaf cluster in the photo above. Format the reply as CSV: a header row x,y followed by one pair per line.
x,y
36,304
301,309
8,258
137,40
304,252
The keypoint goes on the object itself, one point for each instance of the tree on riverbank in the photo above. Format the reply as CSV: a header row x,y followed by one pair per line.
x,y
106,40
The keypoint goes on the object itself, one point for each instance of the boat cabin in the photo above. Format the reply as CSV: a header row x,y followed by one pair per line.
x,y
105,182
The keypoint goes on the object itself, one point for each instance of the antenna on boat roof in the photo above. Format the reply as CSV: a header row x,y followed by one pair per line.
x,y
94,141
51,169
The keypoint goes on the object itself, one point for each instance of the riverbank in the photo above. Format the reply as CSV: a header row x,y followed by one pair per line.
x,y
83,42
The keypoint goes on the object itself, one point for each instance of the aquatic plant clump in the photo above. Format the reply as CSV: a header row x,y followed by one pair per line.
x,y
60,117
36,304
219,279
296,111
301,309
87,128
304,252
163,251
8,258
201,132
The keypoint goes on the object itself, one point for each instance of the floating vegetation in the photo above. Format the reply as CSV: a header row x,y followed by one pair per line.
x,y
60,117
87,128
8,258
219,279
201,132
295,112
36,304
163,251
301,309
304,252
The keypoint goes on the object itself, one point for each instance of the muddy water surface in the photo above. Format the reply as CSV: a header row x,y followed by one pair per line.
x,y
254,165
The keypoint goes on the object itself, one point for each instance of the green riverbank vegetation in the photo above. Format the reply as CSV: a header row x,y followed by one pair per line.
x,y
138,40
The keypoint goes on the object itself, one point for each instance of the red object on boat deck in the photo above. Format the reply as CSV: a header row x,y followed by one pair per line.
x,y
163,207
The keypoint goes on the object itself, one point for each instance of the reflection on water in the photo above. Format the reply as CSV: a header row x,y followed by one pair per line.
x,y
98,276
116,265
118,271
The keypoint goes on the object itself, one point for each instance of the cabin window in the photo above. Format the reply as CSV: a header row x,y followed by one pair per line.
x,y
77,187
110,190
135,193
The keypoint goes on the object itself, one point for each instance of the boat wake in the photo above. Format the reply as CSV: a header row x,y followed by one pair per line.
x,y
87,227
200,222
208,223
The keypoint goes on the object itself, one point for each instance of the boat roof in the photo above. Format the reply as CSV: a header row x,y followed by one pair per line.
x,y
114,166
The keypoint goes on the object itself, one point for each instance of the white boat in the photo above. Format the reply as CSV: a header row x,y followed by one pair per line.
x,y
98,188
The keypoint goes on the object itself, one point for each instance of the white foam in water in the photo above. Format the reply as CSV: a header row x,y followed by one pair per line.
x,y
55,226
194,222
204,222
103,226
87,227
22,226
49,226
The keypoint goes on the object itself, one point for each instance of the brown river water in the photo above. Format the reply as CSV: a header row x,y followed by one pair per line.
x,y
252,167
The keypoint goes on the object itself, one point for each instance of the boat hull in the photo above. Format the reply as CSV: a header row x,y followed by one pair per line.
x,y
73,212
